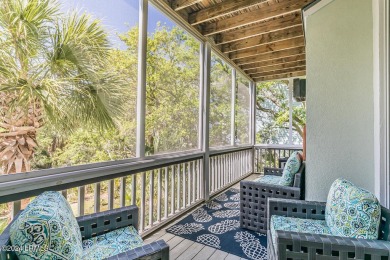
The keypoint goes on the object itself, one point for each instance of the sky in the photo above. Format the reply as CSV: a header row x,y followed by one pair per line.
x,y
117,15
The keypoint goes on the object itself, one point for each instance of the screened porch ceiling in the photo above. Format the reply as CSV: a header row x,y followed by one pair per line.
x,y
265,38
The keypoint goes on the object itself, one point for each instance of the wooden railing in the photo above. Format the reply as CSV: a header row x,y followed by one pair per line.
x,y
163,187
269,155
227,168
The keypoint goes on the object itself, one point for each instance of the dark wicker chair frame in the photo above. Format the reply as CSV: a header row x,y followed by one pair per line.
x,y
101,223
295,245
254,195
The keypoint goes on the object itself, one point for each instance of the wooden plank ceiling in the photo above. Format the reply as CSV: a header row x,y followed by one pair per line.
x,y
265,38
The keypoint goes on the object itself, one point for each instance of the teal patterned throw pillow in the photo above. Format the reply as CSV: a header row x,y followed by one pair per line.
x,y
47,230
352,211
290,169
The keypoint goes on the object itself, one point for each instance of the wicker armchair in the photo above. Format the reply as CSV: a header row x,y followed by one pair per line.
x,y
101,223
296,245
254,195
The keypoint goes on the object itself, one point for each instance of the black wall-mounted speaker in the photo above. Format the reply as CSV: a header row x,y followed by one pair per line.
x,y
299,90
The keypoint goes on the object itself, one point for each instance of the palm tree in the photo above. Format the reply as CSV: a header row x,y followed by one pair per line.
x,y
54,69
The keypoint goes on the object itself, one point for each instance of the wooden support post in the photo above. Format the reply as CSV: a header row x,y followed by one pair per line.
x,y
205,72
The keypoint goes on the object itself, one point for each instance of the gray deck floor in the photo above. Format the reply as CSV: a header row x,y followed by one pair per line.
x,y
184,249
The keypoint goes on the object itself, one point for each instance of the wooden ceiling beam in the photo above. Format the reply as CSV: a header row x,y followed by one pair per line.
x,y
266,38
278,61
178,5
221,9
271,47
280,76
283,66
276,72
263,13
271,56
272,25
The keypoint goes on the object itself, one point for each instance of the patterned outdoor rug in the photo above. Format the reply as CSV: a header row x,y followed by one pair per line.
x,y
217,224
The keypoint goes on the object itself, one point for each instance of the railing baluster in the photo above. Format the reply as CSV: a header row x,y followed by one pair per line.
x,y
220,182
201,186
261,160
183,166
193,182
223,170
133,189
211,174
166,193
173,190
142,208
110,194
178,187
199,173
159,184
81,199
237,155
151,196
216,174
16,207
123,191
97,197
230,168
241,163
189,180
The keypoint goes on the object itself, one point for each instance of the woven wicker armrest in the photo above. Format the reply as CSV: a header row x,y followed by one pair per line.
x,y
265,186
153,251
99,223
294,245
273,171
253,202
296,208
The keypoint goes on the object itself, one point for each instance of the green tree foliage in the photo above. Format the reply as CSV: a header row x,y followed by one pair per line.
x,y
53,70
220,102
272,114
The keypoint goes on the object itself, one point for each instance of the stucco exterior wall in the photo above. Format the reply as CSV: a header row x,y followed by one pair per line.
x,y
340,107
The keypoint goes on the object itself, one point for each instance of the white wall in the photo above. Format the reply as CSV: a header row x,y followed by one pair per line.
x,y
340,107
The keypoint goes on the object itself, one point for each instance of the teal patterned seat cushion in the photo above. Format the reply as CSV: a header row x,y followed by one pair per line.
x,y
352,211
291,168
269,179
298,225
48,224
111,243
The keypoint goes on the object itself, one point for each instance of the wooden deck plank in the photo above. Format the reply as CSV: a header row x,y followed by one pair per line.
x,y
205,253
174,242
232,257
180,248
155,236
218,255
166,237
191,251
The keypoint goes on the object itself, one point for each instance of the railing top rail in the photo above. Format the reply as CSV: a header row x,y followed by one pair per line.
x,y
230,149
278,146
155,159
24,185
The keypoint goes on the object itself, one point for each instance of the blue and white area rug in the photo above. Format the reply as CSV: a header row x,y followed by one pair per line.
x,y
217,224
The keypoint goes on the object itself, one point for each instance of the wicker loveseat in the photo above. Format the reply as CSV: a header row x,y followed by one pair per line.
x,y
254,196
299,230
106,235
